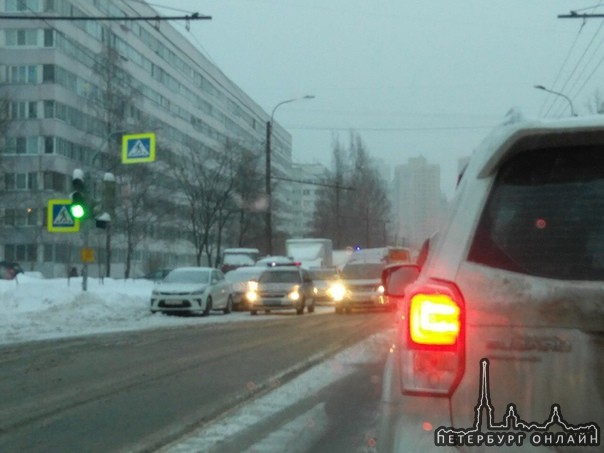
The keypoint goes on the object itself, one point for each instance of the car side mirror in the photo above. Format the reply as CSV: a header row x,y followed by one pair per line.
x,y
395,279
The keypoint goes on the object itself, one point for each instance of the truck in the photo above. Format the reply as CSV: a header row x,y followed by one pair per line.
x,y
310,252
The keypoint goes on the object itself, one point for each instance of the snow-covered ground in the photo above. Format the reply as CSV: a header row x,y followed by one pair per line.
x,y
38,309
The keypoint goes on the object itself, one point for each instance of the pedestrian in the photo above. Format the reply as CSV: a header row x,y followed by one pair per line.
x,y
73,272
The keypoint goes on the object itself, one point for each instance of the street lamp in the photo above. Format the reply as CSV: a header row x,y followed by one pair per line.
x,y
570,103
269,128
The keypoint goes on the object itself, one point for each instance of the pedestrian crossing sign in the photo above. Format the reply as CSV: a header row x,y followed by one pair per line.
x,y
137,148
60,219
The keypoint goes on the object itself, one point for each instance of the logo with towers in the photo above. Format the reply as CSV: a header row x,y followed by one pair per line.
x,y
513,431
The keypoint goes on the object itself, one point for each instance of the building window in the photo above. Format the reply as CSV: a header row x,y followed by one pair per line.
x,y
62,253
21,217
13,6
20,252
55,181
22,145
49,109
23,74
20,181
48,73
48,253
49,145
23,110
28,37
49,38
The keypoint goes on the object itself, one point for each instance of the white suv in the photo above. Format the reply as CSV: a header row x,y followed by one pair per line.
x,y
500,339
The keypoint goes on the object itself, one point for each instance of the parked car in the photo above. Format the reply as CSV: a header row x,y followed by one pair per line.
x,y
282,288
9,269
192,290
276,260
239,279
502,330
159,274
360,286
234,258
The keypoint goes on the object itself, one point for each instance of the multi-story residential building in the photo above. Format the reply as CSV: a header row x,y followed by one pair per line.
x,y
418,201
304,196
72,88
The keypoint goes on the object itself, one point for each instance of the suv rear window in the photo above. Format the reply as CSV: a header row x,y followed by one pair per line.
x,y
545,215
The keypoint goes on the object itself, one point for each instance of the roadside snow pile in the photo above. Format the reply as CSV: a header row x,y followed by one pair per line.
x,y
34,309
40,309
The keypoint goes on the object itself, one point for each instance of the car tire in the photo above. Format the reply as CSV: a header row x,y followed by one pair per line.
x,y
208,308
311,308
348,310
253,312
300,309
229,305
338,310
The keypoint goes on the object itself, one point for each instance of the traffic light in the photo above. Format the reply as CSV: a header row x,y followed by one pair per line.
x,y
107,208
80,206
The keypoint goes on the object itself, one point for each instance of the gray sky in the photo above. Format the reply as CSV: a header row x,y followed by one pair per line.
x,y
411,77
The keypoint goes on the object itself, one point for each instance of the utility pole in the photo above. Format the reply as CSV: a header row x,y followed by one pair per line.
x,y
269,208
267,182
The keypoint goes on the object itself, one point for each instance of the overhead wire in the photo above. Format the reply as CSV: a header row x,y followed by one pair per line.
x,y
552,99
557,102
572,92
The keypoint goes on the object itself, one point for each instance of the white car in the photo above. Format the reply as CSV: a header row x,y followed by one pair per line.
x,y
192,290
500,339
239,279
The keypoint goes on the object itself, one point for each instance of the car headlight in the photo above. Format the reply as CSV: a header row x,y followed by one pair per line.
x,y
380,289
154,292
294,294
337,291
251,296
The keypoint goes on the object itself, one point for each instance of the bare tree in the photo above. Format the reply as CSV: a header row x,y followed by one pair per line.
x,y
354,209
207,180
115,104
245,218
137,208
595,104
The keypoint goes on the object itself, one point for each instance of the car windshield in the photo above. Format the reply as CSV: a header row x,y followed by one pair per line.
x,y
362,271
279,277
323,274
188,276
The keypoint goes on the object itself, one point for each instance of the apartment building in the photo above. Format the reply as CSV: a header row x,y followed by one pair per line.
x,y
72,88
418,201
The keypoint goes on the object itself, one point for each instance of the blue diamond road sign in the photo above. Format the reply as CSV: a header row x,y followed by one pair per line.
x,y
138,148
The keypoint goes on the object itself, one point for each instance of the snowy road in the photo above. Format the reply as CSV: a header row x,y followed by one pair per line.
x,y
156,378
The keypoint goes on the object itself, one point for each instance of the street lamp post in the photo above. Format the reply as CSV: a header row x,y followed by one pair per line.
x,y
570,103
269,208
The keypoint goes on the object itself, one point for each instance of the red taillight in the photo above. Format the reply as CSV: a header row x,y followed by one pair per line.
x,y
432,353
434,319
